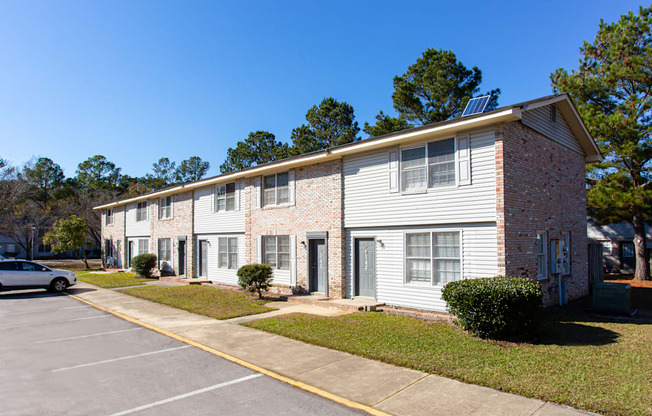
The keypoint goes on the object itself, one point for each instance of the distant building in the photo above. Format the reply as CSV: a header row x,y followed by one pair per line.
x,y
617,245
9,248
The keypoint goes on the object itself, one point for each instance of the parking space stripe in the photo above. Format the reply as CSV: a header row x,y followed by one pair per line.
x,y
296,383
47,310
119,359
186,395
54,322
87,336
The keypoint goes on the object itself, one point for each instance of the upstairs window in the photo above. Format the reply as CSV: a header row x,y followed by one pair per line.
x,y
141,212
428,166
275,189
109,217
225,197
441,163
165,208
227,251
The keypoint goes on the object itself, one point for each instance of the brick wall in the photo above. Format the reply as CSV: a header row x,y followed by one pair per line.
x,y
318,207
179,225
540,187
115,232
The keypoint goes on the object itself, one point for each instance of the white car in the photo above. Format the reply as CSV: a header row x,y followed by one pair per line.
x,y
22,274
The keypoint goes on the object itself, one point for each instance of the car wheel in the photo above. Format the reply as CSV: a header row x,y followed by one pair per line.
x,y
59,284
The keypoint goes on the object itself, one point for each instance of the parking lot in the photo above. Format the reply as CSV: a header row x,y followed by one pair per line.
x,y
61,356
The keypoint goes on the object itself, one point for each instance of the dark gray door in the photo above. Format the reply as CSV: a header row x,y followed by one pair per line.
x,y
203,258
318,265
182,257
365,267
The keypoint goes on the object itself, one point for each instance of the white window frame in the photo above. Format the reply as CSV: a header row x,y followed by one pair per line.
x,y
607,244
225,197
145,248
428,186
425,168
226,247
166,212
542,256
433,259
139,210
277,253
109,217
167,250
276,189
454,162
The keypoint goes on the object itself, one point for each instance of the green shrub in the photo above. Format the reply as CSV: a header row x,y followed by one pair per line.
x,y
498,308
143,264
255,278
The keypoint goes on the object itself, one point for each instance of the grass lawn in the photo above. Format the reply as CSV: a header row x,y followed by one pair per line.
x,y
577,360
112,280
209,301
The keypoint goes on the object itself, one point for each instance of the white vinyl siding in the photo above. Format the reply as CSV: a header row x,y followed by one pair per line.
x,y
368,201
165,207
225,275
135,228
539,119
209,221
479,259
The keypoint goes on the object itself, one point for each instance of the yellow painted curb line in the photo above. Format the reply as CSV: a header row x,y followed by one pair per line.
x,y
254,367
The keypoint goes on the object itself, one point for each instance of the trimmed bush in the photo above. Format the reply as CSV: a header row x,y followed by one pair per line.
x,y
497,308
143,264
255,278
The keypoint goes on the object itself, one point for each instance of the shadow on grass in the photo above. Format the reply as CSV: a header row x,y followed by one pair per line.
x,y
574,334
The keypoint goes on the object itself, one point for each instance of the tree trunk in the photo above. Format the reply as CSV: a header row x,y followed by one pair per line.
x,y
642,260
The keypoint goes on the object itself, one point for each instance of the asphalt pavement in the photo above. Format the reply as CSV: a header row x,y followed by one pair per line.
x,y
60,356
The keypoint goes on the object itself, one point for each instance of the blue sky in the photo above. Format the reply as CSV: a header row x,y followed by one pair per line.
x,y
138,80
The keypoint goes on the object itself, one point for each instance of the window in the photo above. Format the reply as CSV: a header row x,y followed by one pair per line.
x,y
542,255
413,169
428,166
164,249
165,208
606,247
109,217
276,251
441,163
141,211
143,246
8,265
275,189
628,249
227,253
433,258
225,198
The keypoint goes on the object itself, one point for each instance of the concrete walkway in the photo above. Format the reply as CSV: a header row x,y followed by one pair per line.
x,y
383,387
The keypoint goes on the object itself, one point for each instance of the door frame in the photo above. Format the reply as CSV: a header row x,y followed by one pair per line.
x,y
356,278
183,258
199,260
316,235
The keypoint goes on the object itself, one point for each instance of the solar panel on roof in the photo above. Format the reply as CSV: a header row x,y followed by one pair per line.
x,y
476,105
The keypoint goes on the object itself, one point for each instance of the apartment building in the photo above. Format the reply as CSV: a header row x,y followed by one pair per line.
x,y
394,217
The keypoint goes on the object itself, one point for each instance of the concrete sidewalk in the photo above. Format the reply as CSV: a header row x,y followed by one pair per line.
x,y
383,387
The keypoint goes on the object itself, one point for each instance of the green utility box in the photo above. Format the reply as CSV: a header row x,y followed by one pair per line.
x,y
614,298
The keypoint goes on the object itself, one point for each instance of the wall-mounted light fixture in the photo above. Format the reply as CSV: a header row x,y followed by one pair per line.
x,y
303,244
